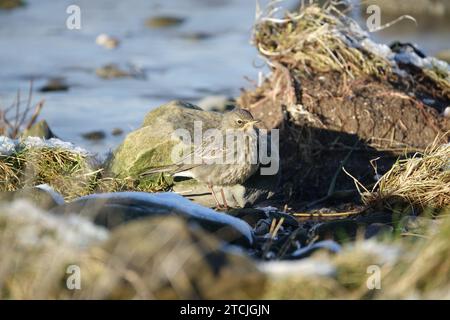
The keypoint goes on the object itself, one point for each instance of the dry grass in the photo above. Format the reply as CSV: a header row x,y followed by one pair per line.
x,y
316,39
9,173
418,268
21,115
152,258
422,180
70,173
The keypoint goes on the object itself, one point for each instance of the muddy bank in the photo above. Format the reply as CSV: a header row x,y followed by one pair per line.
x,y
342,100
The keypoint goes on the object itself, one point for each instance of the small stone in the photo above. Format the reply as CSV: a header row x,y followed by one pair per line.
x,y
163,21
94,135
39,129
446,112
117,132
197,36
111,71
55,84
107,41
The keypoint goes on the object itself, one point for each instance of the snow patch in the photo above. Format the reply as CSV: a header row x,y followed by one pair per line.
x,y
36,142
305,267
7,146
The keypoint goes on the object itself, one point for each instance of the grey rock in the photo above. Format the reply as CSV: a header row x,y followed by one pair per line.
x,y
164,21
328,245
113,209
55,84
94,135
117,131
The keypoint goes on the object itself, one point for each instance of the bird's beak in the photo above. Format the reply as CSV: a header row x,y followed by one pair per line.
x,y
251,123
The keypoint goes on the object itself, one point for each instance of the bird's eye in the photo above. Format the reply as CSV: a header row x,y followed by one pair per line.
x,y
239,121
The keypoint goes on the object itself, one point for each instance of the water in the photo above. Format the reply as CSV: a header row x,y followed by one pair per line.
x,y
35,44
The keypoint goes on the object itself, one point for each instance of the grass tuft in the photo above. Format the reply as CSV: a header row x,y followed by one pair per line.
x,y
422,180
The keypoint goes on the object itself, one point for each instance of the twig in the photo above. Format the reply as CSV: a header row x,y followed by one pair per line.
x,y
336,174
325,215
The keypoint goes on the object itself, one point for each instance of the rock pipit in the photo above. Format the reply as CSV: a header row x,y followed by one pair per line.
x,y
228,157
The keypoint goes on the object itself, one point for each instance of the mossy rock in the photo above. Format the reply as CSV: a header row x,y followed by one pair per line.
x,y
39,129
151,145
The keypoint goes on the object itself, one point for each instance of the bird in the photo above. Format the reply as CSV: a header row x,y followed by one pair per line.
x,y
221,162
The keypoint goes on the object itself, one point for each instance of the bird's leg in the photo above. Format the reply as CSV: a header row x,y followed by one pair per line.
x,y
224,199
210,187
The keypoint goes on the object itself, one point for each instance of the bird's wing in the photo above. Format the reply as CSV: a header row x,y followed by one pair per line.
x,y
207,153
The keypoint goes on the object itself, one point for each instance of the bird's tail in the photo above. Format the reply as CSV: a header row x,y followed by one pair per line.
x,y
171,168
160,169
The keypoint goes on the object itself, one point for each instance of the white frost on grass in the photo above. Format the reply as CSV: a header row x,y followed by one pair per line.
x,y
302,268
7,146
37,228
36,142
356,37
381,50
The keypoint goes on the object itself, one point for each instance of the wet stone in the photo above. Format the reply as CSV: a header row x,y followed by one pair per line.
x,y
164,21
55,84
94,135
327,245
117,132
111,71
377,229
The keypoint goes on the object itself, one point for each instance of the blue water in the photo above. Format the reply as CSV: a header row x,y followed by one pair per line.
x,y
35,44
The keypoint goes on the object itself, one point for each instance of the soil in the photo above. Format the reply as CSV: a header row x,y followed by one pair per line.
x,y
328,121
